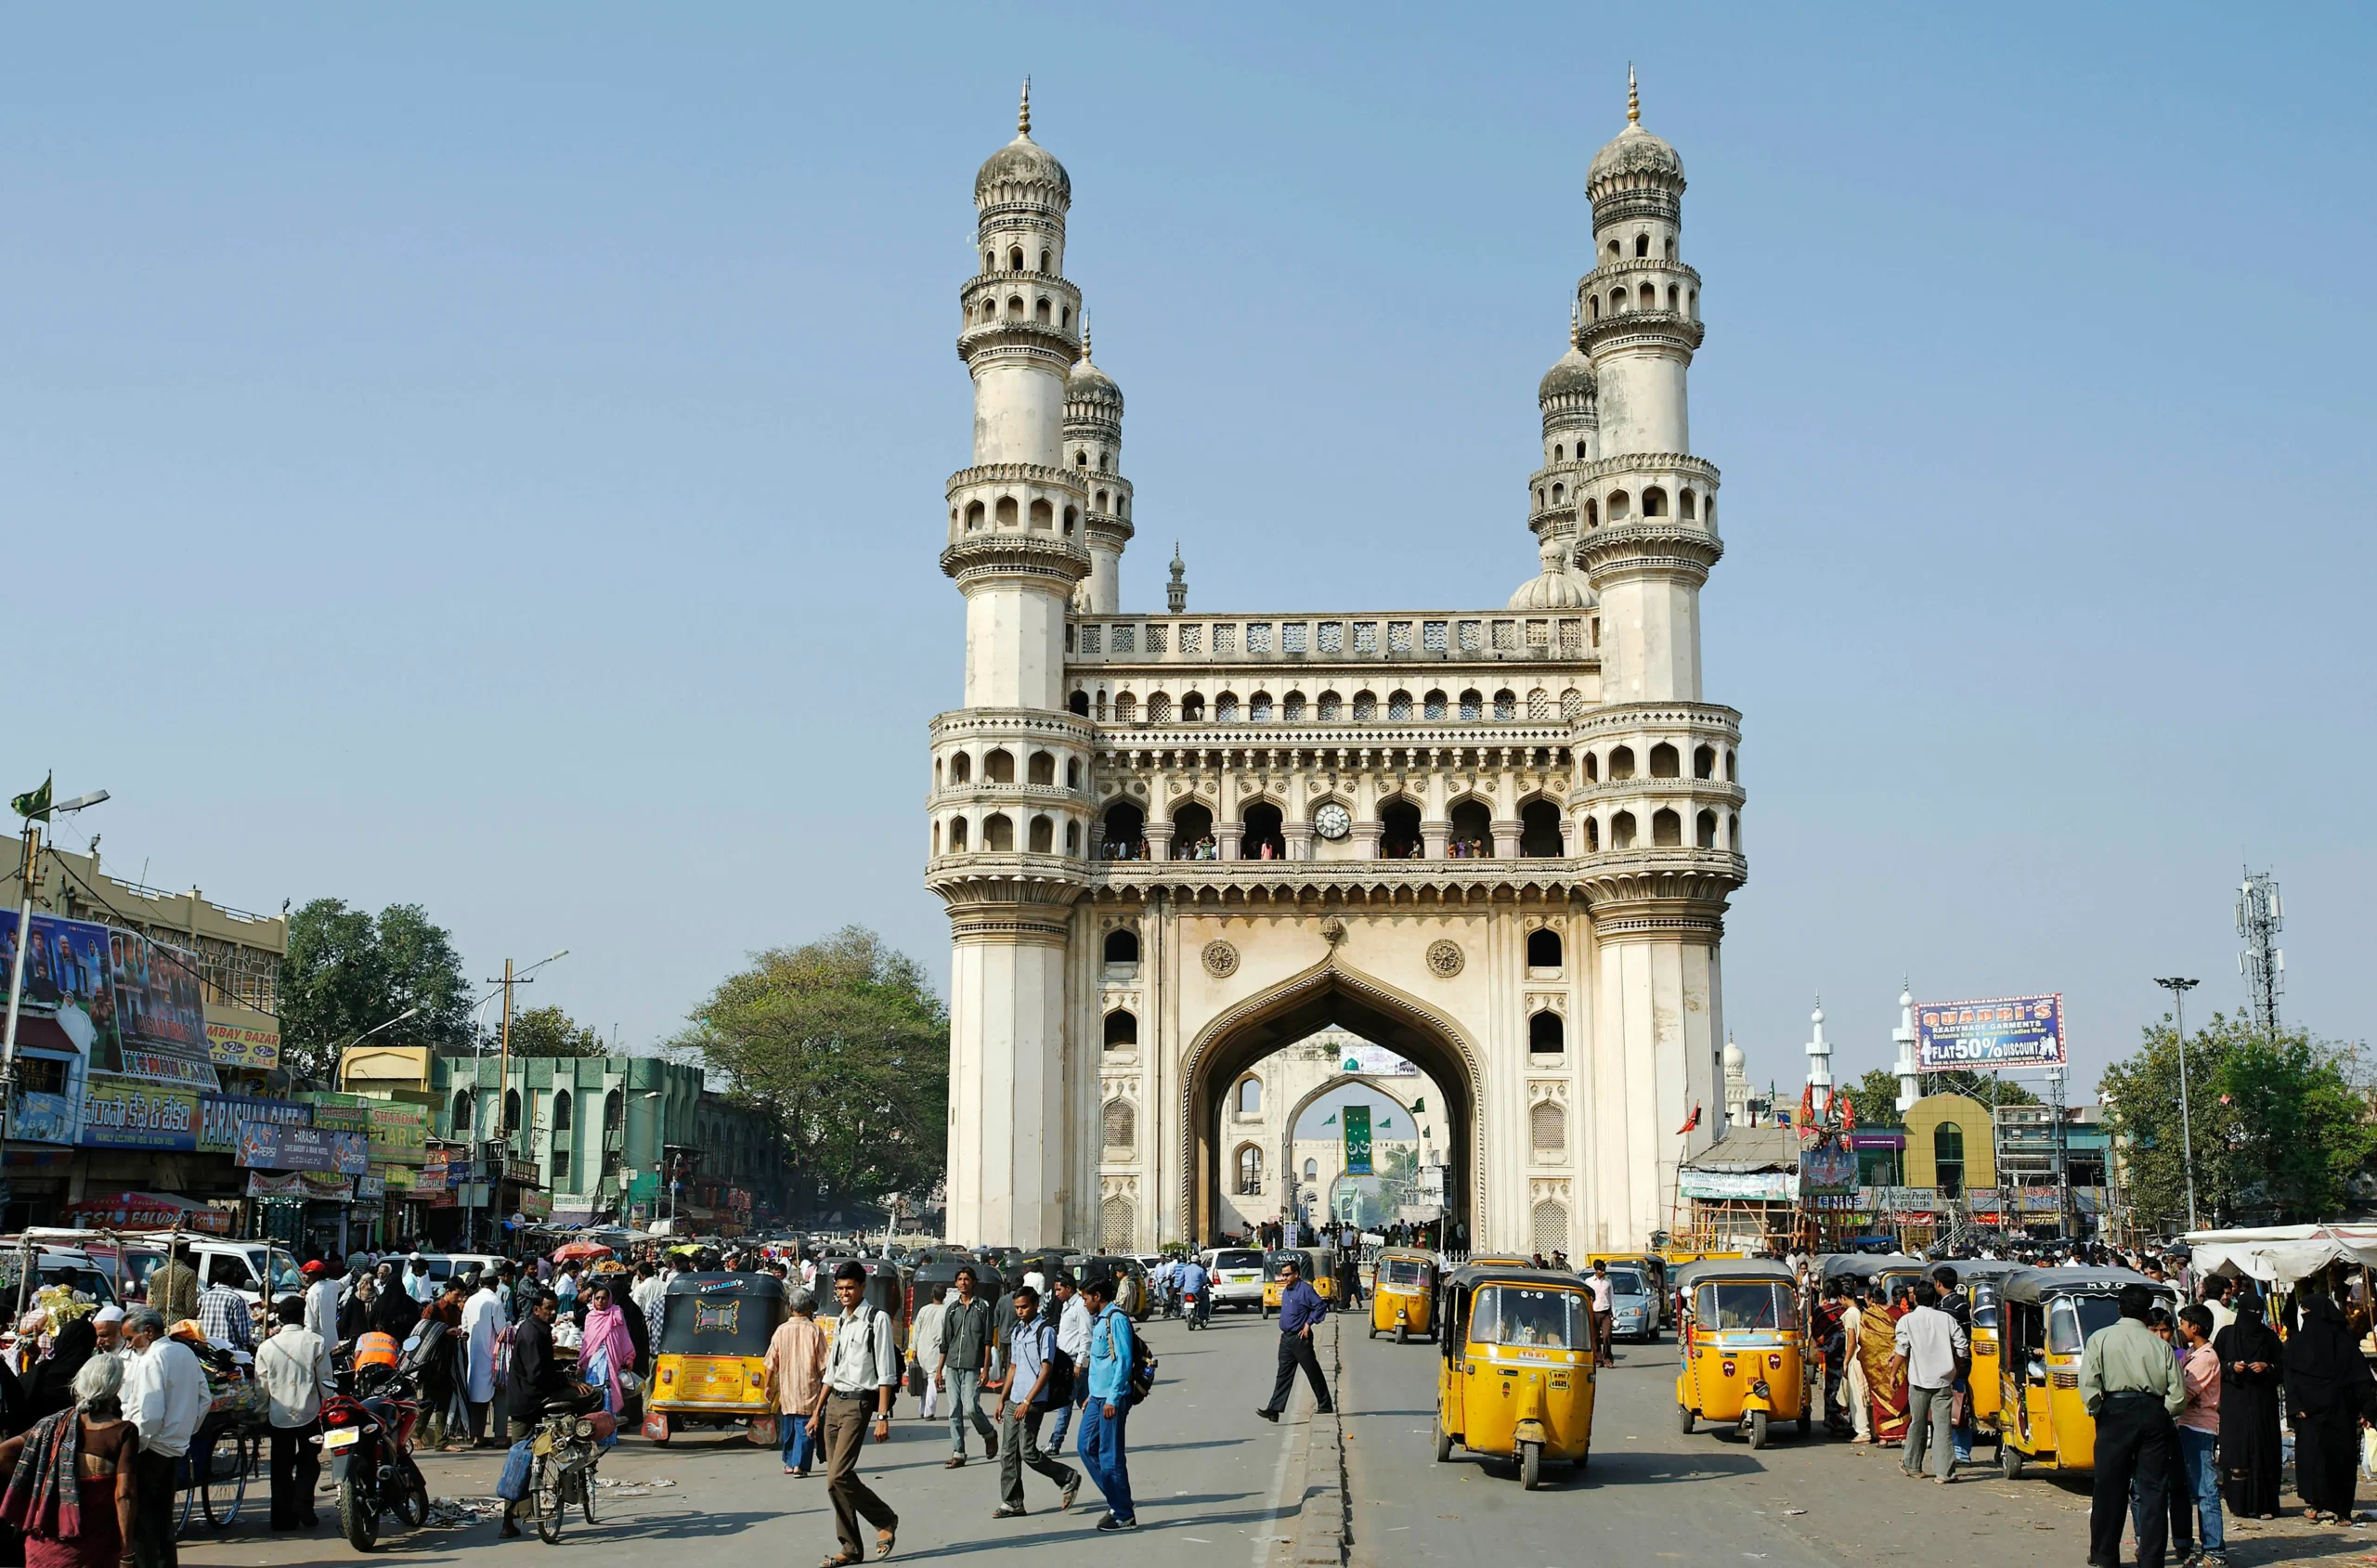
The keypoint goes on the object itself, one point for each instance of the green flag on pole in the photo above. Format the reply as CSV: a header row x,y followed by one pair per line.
x,y
1329,1120
1419,1106
1386,1122
1357,1140
33,805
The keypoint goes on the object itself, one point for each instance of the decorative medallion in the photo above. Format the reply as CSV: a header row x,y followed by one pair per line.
x,y
1332,821
1332,930
1443,957
1221,960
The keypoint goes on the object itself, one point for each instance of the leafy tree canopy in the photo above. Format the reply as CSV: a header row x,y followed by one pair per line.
x,y
549,1032
347,971
2277,1126
846,1047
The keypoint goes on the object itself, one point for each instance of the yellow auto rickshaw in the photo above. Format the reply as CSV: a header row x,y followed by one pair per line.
x,y
1745,1356
2045,1317
1516,1377
709,1363
1319,1266
1403,1297
1982,1280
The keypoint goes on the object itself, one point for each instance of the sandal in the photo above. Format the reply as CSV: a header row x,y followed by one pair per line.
x,y
840,1560
884,1541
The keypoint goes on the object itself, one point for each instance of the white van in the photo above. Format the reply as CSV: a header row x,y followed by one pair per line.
x,y
1236,1274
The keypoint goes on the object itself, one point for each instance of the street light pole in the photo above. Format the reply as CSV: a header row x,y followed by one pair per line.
x,y
2178,989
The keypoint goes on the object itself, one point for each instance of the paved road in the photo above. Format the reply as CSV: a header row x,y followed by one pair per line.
x,y
1208,1477
1652,1494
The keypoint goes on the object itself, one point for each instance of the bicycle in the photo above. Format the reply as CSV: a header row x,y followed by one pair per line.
x,y
213,1474
566,1450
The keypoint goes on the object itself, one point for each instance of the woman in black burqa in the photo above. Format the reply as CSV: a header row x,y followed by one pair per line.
x,y
2252,1462
2327,1391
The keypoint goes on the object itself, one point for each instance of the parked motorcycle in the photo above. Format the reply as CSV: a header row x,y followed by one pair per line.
x,y
366,1437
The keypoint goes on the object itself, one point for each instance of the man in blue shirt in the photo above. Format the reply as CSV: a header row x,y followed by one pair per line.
x,y
1300,1308
1193,1295
1110,1403
1025,1398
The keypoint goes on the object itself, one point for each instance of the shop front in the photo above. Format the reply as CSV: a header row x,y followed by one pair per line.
x,y
324,1165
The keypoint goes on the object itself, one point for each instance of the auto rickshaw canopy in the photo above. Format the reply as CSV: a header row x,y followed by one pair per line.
x,y
721,1315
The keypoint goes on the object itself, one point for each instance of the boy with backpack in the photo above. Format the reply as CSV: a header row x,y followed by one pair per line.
x,y
1114,1355
1030,1389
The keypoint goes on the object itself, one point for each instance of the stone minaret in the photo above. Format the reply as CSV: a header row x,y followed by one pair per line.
x,y
1819,1062
1646,539
1010,768
1093,449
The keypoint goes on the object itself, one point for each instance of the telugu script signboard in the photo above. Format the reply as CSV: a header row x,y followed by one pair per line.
x,y
2004,1031
124,1114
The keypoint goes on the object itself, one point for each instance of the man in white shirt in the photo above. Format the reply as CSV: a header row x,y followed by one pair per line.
x,y
482,1321
1604,1298
322,1291
164,1398
418,1283
1931,1346
294,1370
862,1370
1073,1317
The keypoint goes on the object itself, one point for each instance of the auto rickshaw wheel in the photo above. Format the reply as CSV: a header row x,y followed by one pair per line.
x,y
1807,1426
1444,1443
1530,1465
2010,1460
1683,1418
655,1427
1756,1425
1403,1333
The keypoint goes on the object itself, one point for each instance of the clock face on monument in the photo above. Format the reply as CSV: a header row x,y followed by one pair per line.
x,y
1332,821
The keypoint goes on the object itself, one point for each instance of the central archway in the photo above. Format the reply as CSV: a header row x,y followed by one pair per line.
x,y
1327,994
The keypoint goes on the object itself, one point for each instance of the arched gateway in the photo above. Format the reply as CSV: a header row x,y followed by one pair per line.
x,y
1498,842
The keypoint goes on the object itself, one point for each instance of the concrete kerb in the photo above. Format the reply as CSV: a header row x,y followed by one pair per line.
x,y
1324,1526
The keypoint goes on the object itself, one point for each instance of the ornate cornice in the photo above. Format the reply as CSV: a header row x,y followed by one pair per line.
x,y
1042,341
1685,790
1647,893
1697,717
1646,266
1037,723
1679,465
1011,474
1334,884
980,559
1657,327
1648,545
1613,205
1103,529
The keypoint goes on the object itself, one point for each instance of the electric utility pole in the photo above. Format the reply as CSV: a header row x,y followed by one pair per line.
x,y
2178,989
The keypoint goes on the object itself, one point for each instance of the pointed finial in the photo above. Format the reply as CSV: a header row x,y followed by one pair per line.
x,y
1023,115
1633,97
1178,566
1084,335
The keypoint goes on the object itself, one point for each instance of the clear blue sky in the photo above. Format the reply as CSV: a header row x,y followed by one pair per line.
x,y
493,458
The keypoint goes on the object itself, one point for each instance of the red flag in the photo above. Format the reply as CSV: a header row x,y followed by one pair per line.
x,y
1690,1122
1807,1109
1848,1114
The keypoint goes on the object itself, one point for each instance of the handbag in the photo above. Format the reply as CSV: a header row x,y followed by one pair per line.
x,y
764,1430
512,1484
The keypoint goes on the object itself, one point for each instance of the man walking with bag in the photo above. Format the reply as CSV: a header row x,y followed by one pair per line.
x,y
1300,1308
861,1370
1103,1418
967,1335
1030,1390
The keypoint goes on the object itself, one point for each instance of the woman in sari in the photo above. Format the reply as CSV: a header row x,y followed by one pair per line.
x,y
605,1349
2252,1461
72,1487
2328,1389
1884,1390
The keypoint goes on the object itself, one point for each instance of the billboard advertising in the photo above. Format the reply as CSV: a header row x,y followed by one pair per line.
x,y
1358,1141
127,1113
162,1012
266,1146
67,980
220,1117
235,1037
2004,1031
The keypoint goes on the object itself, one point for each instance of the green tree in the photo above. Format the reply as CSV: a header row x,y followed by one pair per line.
x,y
549,1032
1876,1097
346,972
846,1047
2277,1126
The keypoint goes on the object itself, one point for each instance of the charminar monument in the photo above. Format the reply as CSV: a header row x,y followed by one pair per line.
x,y
1498,842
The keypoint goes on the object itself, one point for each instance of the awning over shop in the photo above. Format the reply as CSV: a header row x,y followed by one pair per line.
x,y
2277,1254
151,1211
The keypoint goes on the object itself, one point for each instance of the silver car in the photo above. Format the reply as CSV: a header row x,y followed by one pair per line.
x,y
1634,1311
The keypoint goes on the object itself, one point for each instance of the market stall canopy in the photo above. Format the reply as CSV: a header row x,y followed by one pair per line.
x,y
2280,1255
580,1250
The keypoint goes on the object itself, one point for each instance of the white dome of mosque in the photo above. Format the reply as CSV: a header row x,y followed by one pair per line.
x,y
1735,1058
1024,162
1555,588
1571,372
1634,151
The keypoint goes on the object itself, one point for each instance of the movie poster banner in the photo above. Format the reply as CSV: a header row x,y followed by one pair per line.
x,y
2004,1031
162,1010
67,979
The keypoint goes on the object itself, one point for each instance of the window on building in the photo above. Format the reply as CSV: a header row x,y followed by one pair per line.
x,y
1250,1096
561,1111
1250,1170
1543,948
1948,1156
1121,1029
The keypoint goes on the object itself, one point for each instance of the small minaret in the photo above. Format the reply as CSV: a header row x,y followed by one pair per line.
x,y
1175,597
1819,1064
1910,1081
1094,452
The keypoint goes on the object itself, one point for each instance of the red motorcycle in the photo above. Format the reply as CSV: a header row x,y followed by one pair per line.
x,y
366,1437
